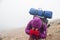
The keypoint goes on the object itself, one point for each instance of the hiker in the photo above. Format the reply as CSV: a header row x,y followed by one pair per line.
x,y
37,27
36,22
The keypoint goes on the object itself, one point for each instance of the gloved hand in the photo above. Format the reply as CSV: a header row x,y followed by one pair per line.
x,y
36,32
31,32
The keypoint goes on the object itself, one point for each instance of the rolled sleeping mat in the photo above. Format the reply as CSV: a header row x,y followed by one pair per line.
x,y
48,14
33,11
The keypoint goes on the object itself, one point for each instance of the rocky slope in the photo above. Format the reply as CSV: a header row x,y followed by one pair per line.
x,y
19,34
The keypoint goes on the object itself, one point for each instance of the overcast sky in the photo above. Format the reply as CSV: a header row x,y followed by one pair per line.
x,y
15,13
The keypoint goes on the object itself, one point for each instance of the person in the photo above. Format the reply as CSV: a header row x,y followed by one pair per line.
x,y
36,22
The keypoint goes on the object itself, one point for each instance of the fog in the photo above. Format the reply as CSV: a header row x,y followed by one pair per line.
x,y
15,13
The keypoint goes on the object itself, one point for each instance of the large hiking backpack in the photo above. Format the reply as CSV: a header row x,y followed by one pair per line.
x,y
42,14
